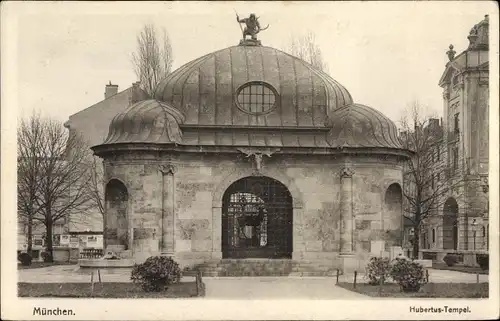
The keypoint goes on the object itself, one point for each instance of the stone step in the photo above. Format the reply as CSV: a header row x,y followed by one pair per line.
x,y
267,267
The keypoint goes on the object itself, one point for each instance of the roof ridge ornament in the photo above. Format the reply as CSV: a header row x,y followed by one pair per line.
x,y
252,28
451,53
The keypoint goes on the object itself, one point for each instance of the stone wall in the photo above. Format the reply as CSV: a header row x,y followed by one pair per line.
x,y
143,183
374,219
201,180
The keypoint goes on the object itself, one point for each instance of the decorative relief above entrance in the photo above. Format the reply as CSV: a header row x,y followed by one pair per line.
x,y
257,155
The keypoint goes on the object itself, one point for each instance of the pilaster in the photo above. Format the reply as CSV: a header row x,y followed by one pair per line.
x,y
216,232
346,211
168,210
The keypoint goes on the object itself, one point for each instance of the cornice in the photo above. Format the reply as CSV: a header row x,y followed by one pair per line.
x,y
159,151
240,128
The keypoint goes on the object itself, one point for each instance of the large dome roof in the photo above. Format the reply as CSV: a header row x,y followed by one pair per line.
x,y
252,96
209,90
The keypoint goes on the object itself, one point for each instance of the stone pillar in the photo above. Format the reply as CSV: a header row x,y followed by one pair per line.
x,y
298,234
347,255
216,232
168,210
346,211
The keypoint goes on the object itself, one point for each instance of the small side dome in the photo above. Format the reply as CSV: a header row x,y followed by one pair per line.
x,y
147,121
362,126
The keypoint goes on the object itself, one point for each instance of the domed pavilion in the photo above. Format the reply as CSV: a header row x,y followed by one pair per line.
x,y
250,153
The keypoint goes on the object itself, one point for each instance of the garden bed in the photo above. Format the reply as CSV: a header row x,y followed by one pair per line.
x,y
459,268
430,290
107,290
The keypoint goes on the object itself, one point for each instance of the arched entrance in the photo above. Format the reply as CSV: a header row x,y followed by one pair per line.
x,y
450,224
115,222
257,219
393,215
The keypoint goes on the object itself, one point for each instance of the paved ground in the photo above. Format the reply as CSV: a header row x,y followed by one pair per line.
x,y
244,287
275,288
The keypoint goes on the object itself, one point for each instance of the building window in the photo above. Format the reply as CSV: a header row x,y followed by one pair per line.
x,y
487,237
256,97
455,236
456,122
433,236
455,158
425,244
56,240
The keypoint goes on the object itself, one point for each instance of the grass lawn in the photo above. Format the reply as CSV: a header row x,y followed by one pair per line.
x,y
430,290
459,268
107,290
37,265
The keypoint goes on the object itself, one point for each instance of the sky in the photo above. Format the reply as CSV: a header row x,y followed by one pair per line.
x,y
386,54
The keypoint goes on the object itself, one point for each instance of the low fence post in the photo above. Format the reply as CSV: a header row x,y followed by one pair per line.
x,y
92,283
199,283
355,277
338,272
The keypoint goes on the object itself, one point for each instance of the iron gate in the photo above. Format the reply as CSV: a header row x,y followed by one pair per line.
x,y
257,218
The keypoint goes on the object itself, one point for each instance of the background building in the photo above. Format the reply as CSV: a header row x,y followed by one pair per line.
x,y
462,225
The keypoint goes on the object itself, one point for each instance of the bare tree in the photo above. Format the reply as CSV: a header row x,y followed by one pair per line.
x,y
95,186
52,167
306,48
29,141
153,59
428,177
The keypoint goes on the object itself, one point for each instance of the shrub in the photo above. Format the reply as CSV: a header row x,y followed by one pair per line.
x,y
377,270
25,259
46,256
483,260
450,259
156,274
410,275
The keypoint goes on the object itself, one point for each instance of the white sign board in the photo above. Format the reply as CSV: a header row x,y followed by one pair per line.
x,y
377,248
65,240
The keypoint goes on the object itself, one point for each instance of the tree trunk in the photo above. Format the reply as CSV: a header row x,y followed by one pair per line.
x,y
30,235
416,243
49,246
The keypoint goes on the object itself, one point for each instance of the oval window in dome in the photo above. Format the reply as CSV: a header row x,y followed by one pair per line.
x,y
256,97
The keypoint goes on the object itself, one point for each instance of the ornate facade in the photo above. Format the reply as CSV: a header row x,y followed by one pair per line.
x,y
251,153
462,225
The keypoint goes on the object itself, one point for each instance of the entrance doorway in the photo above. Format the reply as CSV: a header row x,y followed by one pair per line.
x,y
257,216
450,224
